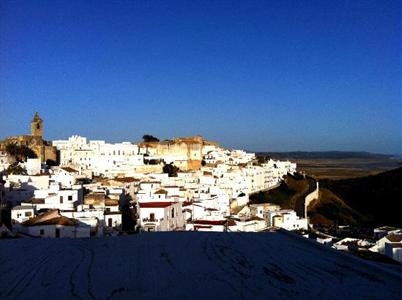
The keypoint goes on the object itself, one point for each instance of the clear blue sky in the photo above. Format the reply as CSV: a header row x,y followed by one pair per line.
x,y
258,75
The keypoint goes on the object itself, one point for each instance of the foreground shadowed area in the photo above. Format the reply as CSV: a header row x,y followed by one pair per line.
x,y
189,265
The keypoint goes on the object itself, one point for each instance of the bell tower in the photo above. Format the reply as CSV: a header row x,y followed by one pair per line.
x,y
37,126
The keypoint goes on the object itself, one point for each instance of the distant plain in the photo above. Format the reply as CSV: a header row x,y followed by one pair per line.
x,y
346,168
338,164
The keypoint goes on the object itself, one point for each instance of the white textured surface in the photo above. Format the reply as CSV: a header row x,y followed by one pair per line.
x,y
187,265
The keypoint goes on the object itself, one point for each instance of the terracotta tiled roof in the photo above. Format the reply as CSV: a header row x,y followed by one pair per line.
x,y
37,201
155,204
255,218
51,217
126,179
214,222
68,169
160,192
111,202
394,238
202,226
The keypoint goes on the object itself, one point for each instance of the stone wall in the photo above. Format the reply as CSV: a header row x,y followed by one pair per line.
x,y
310,197
191,148
42,149
50,153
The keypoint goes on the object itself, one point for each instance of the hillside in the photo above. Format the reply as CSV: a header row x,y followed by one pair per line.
x,y
375,197
189,265
330,209
289,195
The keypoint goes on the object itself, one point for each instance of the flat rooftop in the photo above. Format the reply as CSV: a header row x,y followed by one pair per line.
x,y
190,265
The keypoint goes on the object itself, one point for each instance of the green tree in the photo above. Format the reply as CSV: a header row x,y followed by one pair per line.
x,y
20,152
12,149
149,138
25,151
261,159
171,170
16,169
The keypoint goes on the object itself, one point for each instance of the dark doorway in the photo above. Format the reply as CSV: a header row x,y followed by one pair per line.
x,y
57,232
109,222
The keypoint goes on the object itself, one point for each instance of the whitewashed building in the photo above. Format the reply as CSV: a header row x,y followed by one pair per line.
x,y
22,213
53,225
160,216
286,219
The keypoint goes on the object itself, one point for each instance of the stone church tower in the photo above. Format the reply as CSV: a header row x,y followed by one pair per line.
x,y
43,149
37,126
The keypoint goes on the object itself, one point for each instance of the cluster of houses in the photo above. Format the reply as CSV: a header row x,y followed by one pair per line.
x,y
61,201
386,241
98,185
102,189
98,188
50,202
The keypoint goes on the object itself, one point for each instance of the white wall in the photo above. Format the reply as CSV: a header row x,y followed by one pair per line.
x,y
49,231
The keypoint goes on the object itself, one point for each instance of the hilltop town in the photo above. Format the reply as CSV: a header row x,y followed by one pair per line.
x,y
80,188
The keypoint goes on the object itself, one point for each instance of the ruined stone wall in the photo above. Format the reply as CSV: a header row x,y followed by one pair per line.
x,y
35,143
50,153
190,148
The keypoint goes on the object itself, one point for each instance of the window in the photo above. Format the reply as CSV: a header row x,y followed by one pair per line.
x,y
61,199
172,212
70,198
28,214
152,216
42,232
108,209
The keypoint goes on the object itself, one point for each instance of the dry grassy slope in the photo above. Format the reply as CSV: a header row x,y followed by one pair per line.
x,y
376,197
288,195
300,186
329,209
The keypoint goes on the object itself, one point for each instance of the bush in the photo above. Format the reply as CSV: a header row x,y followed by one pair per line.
x,y
16,169
171,170
20,152
149,138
